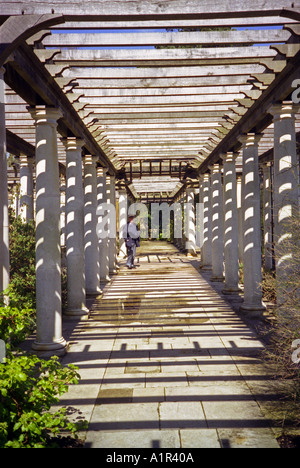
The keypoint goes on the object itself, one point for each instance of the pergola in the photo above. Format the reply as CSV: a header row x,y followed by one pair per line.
x,y
155,100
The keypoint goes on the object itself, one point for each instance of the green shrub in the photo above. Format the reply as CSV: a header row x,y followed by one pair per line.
x,y
22,262
29,386
15,325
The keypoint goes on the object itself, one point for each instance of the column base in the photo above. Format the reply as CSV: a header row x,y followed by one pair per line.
x,y
217,279
205,267
228,291
47,350
106,279
77,314
95,292
191,254
253,310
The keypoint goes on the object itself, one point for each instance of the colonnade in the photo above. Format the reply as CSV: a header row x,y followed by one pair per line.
x,y
89,259
232,223
230,219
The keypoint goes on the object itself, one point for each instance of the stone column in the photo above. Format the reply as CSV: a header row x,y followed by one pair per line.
x,y
112,244
240,215
26,188
49,340
181,239
4,224
103,243
184,222
175,239
251,227
200,213
92,266
231,247
75,230
62,212
190,245
122,220
267,216
286,186
207,232
217,224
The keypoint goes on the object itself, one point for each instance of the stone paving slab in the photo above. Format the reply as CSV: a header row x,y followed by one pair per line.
x,y
167,363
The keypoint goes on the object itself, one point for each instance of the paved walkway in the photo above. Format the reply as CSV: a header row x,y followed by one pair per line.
x,y
166,362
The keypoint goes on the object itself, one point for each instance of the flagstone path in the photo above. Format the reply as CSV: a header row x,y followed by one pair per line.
x,y
165,362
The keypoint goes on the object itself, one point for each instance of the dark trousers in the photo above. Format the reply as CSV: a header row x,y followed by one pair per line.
x,y
131,255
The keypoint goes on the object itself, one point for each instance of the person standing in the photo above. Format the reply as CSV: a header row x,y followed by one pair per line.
x,y
132,238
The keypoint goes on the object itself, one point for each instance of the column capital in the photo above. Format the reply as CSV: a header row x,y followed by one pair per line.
x,y
101,171
216,168
250,139
112,178
45,115
121,186
189,185
24,160
206,177
72,143
229,157
284,109
90,159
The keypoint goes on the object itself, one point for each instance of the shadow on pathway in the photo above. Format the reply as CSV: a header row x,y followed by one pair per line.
x,y
166,362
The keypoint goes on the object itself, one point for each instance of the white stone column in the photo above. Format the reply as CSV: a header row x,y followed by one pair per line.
x,y
217,224
252,258
267,216
4,223
200,213
92,265
190,244
112,245
75,230
26,188
103,243
181,240
207,231
62,212
49,340
286,188
240,215
123,202
231,247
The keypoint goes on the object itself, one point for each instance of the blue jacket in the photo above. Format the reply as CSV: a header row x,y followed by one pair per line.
x,y
131,235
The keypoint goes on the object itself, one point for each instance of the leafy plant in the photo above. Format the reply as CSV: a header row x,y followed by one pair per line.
x,y
22,262
15,325
29,387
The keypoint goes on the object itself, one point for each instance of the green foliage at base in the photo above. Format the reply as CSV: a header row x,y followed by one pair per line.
x,y
29,387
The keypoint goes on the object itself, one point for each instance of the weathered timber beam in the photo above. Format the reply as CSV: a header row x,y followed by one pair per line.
x,y
165,92
145,10
117,73
32,71
92,57
179,23
257,118
16,29
166,38
146,101
18,146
